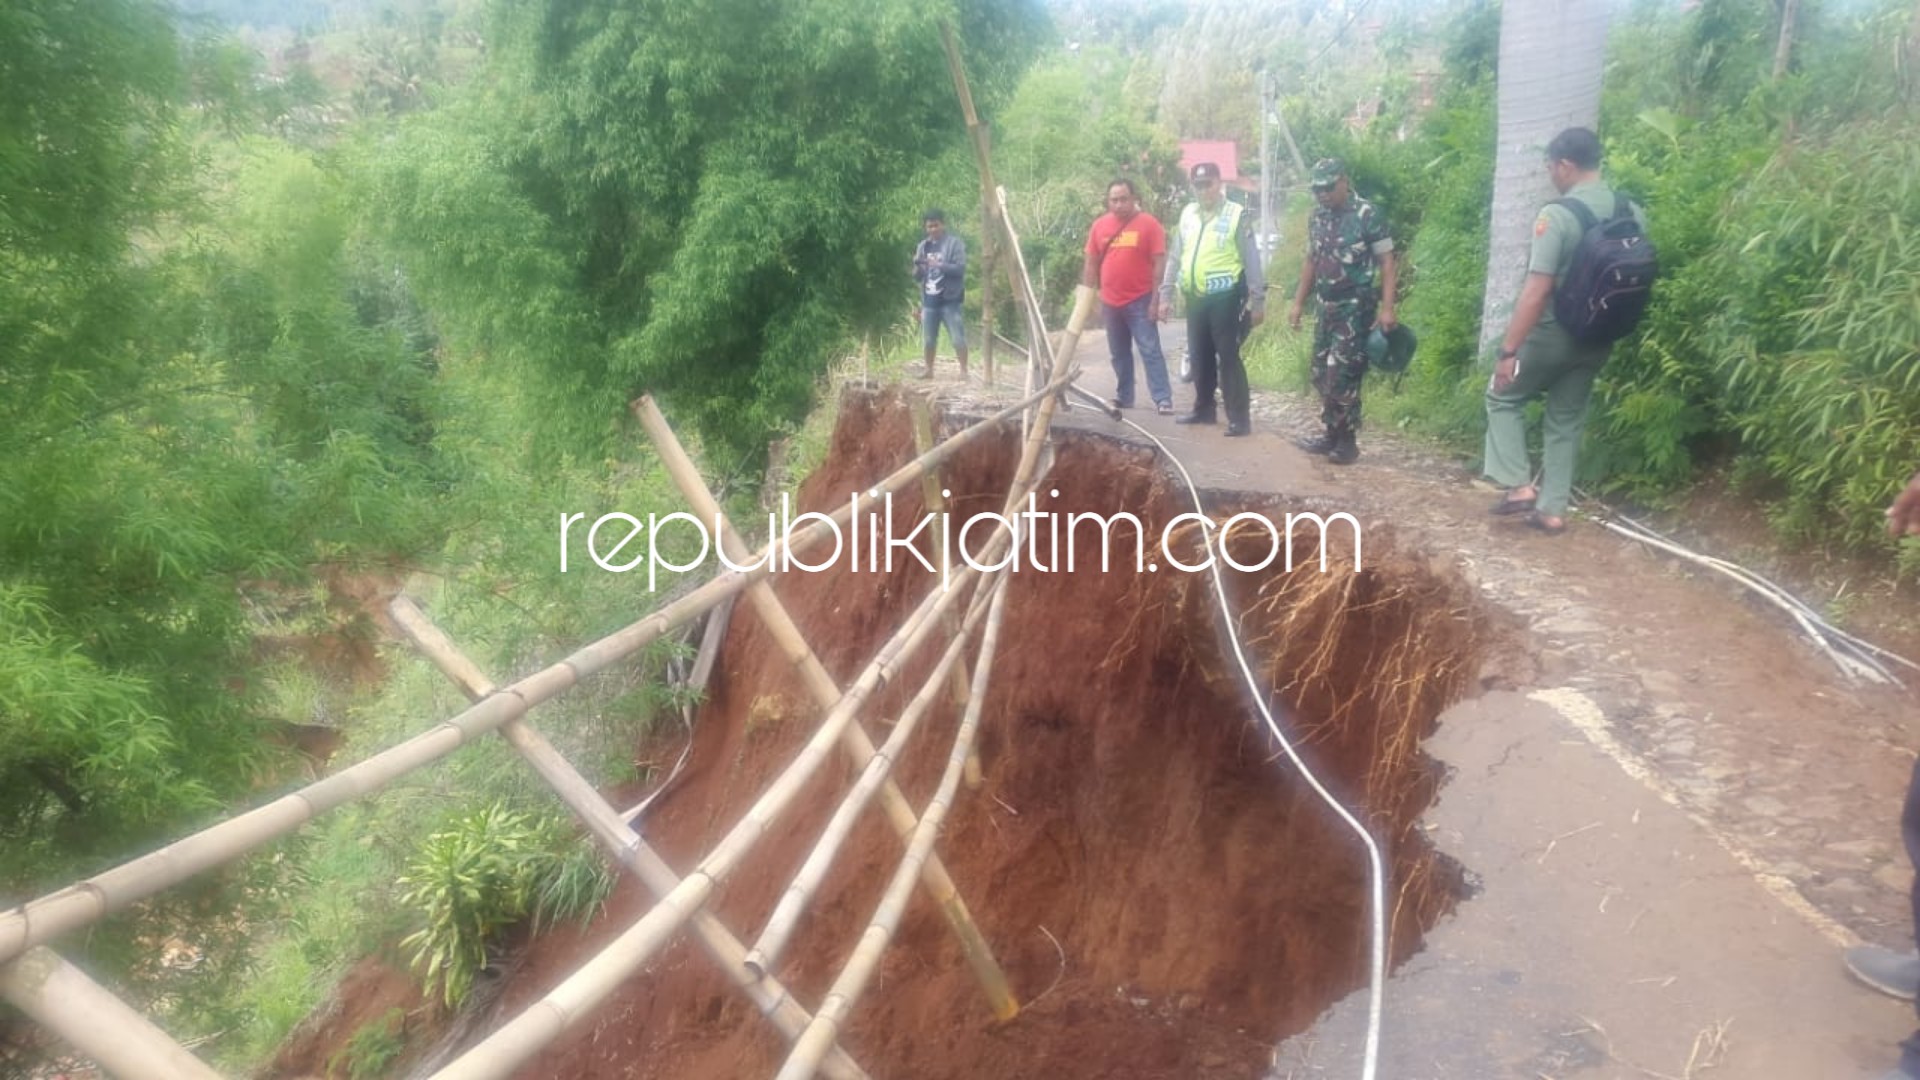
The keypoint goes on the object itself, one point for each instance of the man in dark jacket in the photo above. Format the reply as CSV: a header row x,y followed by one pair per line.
x,y
940,266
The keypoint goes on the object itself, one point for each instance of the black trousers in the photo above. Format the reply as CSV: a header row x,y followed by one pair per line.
x,y
1910,835
1213,345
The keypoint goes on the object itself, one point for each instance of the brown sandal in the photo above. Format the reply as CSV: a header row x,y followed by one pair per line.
x,y
1508,505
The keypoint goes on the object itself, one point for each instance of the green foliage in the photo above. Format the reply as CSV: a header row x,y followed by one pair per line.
x,y
688,201
373,1048
1061,140
1820,341
1780,336
208,386
1434,188
488,870
1781,339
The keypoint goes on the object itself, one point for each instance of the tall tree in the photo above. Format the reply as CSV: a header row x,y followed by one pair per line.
x,y
1552,54
704,200
184,411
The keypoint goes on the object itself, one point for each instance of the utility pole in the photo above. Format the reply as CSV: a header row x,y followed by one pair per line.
x,y
1266,170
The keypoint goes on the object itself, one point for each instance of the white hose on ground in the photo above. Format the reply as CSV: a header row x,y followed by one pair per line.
x,y
1376,867
1854,656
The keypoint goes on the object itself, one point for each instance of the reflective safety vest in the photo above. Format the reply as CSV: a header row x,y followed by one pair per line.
x,y
1210,253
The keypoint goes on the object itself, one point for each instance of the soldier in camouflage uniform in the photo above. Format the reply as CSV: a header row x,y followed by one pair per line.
x,y
1350,270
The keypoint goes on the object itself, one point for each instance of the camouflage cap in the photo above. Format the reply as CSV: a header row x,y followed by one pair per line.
x,y
1328,171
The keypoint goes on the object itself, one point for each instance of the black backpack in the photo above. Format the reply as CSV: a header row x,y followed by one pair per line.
x,y
1611,278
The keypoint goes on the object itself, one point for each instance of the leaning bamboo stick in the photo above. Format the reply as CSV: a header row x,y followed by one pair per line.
x,y
85,902
819,1038
981,137
826,692
522,1037
634,853
793,903
517,1041
986,291
932,493
89,1017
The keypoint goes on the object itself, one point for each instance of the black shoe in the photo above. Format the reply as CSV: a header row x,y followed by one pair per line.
x,y
1345,450
1896,974
1235,430
1322,445
1195,418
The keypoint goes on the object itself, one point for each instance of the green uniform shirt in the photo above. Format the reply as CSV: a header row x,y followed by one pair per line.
x,y
1556,234
1345,247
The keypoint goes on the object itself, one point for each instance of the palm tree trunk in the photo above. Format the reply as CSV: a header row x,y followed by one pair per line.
x,y
1783,46
1552,53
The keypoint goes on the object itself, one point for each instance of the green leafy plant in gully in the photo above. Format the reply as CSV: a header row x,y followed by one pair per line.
x,y
486,871
373,1049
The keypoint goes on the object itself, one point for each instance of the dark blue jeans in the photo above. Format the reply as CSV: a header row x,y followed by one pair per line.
x,y
1910,833
1127,326
935,311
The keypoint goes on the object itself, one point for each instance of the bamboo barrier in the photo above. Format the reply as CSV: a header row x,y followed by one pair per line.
x,y
821,1036
920,408
634,853
83,903
517,1041
90,1018
793,903
524,1035
827,693
981,137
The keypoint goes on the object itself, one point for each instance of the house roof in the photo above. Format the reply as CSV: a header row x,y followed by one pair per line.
x,y
1222,152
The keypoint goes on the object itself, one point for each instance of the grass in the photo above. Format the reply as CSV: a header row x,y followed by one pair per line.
x,y
342,904
373,1048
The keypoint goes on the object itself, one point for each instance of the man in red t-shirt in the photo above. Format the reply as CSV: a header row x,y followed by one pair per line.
x,y
1126,255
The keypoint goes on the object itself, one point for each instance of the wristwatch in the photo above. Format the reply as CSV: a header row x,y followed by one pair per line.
x,y
1508,354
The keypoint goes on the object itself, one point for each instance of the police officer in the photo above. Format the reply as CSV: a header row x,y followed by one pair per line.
x,y
1538,357
1350,269
1211,258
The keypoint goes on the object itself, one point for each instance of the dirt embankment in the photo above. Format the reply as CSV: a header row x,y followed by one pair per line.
x,y
1202,901
1166,895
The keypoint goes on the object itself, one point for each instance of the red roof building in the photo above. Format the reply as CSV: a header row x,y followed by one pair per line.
x,y
1222,152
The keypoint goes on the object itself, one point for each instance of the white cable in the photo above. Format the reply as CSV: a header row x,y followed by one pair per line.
x,y
1376,870
1377,972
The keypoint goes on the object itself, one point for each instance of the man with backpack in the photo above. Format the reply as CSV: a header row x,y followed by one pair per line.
x,y
1589,274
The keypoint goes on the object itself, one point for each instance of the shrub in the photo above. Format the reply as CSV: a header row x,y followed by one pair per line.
x,y
486,871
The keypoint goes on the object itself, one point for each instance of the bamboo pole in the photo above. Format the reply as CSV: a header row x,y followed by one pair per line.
x,y
634,853
932,492
1040,354
89,1017
986,286
821,685
793,903
819,1038
992,213
85,902
517,1041
522,1037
